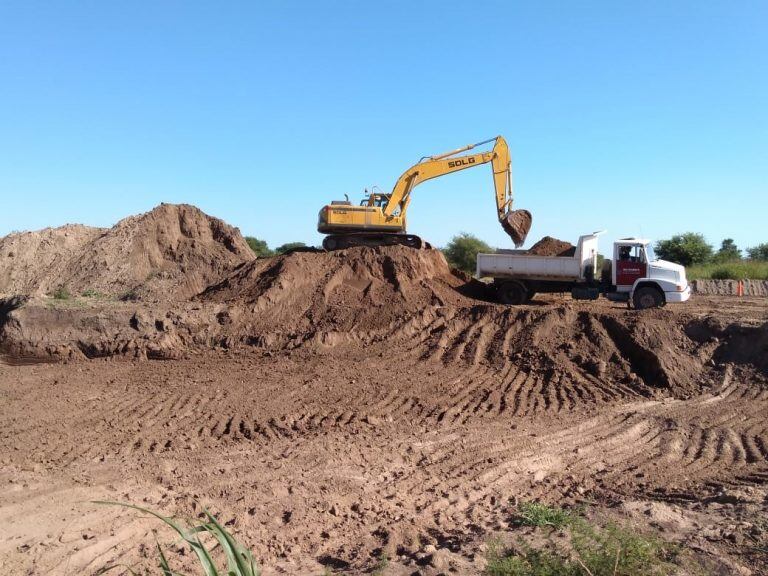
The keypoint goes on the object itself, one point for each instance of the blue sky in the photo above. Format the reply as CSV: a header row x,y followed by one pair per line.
x,y
637,117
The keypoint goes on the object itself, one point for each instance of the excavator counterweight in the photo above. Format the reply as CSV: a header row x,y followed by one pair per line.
x,y
380,218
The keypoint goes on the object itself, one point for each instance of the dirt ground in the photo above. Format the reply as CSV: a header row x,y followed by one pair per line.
x,y
329,458
334,409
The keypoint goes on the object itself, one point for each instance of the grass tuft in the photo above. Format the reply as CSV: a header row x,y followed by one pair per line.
x,y
61,293
541,515
608,550
90,293
381,565
239,560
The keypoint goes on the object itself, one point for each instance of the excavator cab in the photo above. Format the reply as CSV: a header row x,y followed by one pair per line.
x,y
375,200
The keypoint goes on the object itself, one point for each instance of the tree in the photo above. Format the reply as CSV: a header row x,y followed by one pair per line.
x,y
686,249
728,251
759,252
283,248
259,247
462,250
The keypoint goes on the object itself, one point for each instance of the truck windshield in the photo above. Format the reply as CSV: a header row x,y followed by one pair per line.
x,y
649,253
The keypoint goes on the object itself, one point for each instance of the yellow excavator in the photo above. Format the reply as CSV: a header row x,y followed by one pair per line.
x,y
380,218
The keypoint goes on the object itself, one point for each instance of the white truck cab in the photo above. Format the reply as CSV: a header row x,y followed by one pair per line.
x,y
646,280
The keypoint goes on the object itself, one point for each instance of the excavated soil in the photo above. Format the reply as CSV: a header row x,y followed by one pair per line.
x,y
334,408
549,246
33,262
169,253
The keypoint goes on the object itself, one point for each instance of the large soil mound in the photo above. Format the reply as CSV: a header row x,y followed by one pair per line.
x,y
171,252
32,262
304,295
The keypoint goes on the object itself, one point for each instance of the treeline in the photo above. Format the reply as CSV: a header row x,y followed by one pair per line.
x,y
701,259
691,248
262,249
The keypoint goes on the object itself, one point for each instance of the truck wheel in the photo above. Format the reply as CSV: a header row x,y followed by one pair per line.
x,y
512,293
647,297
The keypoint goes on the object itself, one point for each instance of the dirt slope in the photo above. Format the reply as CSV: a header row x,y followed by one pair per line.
x,y
173,251
32,262
169,253
347,293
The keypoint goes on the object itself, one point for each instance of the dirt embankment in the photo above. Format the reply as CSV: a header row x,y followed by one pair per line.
x,y
33,262
197,287
350,300
169,253
730,287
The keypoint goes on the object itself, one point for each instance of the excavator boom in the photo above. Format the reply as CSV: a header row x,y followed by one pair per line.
x,y
516,223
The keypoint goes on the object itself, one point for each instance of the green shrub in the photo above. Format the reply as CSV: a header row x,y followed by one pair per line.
x,y
259,247
685,249
530,562
759,252
724,273
728,252
283,248
462,251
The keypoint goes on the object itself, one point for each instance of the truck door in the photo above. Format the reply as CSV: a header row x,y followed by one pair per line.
x,y
630,265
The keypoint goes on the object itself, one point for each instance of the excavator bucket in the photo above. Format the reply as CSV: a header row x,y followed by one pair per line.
x,y
517,223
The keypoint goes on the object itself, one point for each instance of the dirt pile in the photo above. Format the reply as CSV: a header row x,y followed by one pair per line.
x,y
32,262
571,351
309,299
169,253
549,246
173,251
344,294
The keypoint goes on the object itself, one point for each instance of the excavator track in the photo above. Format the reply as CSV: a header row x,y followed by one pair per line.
x,y
344,241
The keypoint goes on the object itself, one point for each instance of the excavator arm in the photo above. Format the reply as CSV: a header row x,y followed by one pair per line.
x,y
516,223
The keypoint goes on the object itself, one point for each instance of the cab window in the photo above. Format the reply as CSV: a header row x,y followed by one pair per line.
x,y
631,254
378,200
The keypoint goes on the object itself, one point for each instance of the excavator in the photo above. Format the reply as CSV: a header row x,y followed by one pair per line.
x,y
379,220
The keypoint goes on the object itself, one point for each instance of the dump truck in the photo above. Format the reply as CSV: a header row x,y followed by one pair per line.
x,y
633,275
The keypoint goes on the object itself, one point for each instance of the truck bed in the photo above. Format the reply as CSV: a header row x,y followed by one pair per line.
x,y
520,264
529,266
